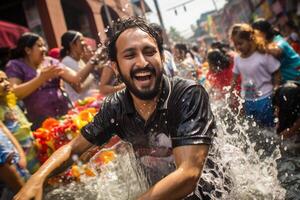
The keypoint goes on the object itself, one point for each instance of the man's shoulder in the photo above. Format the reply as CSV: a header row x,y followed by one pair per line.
x,y
181,88
116,100
179,83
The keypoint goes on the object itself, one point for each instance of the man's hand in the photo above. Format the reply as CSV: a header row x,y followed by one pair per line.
x,y
33,189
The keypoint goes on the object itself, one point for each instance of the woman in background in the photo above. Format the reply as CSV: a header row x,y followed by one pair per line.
x,y
38,84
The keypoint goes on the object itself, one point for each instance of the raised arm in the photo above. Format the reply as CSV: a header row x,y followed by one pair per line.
x,y
60,159
189,160
23,90
274,50
17,145
105,87
76,78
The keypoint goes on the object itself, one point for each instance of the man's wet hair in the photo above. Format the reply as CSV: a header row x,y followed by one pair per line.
x,y
157,28
133,22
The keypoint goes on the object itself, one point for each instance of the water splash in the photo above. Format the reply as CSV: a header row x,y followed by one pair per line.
x,y
119,178
244,158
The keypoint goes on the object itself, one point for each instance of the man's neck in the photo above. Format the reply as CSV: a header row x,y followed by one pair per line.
x,y
145,107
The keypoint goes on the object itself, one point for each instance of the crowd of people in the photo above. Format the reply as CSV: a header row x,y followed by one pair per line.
x,y
155,95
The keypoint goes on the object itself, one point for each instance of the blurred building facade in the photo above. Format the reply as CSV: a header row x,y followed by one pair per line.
x,y
217,23
51,18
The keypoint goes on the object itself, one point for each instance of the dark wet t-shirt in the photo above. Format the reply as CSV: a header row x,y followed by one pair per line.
x,y
183,117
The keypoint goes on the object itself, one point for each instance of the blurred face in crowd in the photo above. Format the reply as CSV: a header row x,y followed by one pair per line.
x,y
78,46
244,47
139,63
179,54
4,84
37,52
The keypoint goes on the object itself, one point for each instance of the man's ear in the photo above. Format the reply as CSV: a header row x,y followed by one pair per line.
x,y
114,66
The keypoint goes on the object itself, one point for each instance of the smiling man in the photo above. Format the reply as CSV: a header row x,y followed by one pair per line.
x,y
168,121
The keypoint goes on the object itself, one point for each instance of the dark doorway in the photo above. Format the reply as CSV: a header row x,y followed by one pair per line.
x,y
78,17
12,11
113,15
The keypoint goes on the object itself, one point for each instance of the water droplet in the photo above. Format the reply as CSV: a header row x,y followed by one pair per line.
x,y
112,120
69,136
285,148
75,157
284,98
106,30
166,122
276,120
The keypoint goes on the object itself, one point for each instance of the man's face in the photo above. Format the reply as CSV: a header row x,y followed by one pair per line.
x,y
139,63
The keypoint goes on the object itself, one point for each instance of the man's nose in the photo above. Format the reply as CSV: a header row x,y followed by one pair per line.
x,y
141,61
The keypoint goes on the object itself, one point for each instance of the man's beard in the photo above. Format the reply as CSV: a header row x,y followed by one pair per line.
x,y
146,94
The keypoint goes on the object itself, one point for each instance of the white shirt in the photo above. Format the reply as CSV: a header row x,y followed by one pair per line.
x,y
256,72
88,85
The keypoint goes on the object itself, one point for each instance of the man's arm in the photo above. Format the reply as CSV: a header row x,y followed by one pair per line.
x,y
34,187
189,160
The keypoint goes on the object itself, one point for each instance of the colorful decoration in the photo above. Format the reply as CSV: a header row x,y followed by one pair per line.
x,y
55,133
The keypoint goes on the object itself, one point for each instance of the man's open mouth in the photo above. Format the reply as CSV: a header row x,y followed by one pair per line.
x,y
143,76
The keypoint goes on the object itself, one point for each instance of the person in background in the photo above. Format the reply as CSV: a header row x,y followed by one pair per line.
x,y
73,47
219,75
152,114
280,48
109,82
292,35
170,68
37,83
185,62
13,172
195,52
259,73
287,106
15,120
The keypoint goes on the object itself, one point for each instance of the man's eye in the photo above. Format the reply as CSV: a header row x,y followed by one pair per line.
x,y
150,52
129,56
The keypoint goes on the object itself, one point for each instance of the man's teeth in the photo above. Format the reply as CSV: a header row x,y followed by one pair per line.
x,y
141,74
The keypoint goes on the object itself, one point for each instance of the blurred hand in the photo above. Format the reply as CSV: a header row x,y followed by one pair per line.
x,y
50,72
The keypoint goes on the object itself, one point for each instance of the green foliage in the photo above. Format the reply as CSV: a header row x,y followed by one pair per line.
x,y
174,35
